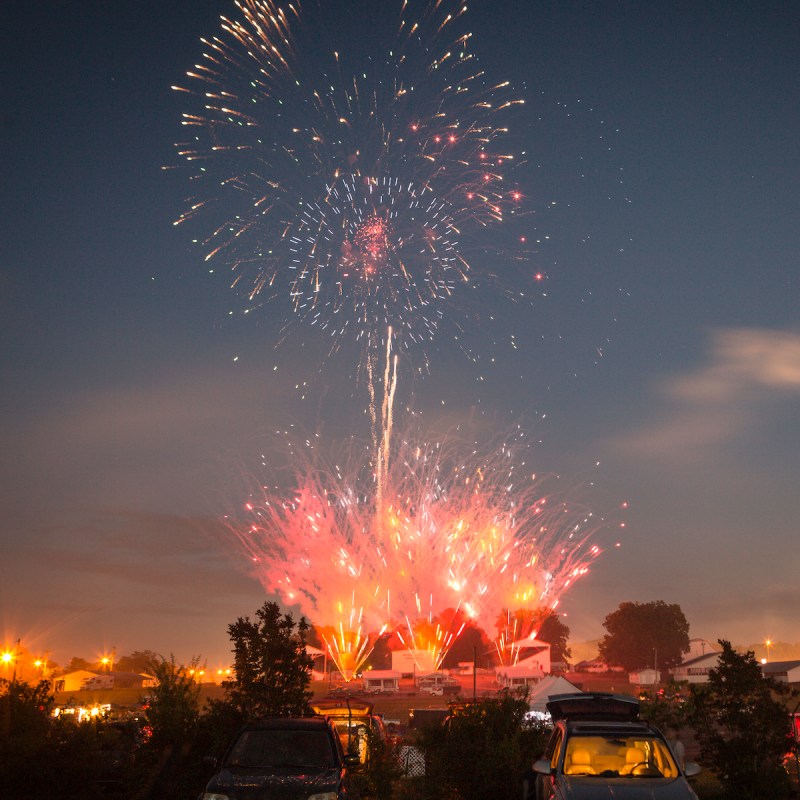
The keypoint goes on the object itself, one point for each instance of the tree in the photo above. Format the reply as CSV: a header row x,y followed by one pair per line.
x,y
542,624
381,655
138,661
742,727
174,705
645,635
272,671
77,663
556,634
484,750
472,643
41,756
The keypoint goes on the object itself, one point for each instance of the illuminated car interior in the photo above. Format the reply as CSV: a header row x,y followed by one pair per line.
x,y
636,757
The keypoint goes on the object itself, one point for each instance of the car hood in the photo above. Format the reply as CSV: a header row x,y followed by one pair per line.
x,y
255,783
598,789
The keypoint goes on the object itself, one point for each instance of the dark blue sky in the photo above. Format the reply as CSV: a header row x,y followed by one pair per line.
x,y
667,348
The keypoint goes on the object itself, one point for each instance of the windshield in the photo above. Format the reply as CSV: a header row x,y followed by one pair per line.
x,y
634,757
282,748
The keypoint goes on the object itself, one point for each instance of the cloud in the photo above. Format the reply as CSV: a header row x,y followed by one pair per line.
x,y
746,371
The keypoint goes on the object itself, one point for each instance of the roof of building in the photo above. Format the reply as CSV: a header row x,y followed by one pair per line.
x,y
779,666
374,674
712,656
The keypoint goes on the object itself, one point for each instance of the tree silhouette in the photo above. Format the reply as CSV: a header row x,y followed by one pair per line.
x,y
272,671
742,726
645,635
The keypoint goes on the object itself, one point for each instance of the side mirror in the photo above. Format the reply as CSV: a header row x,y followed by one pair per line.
x,y
352,759
691,769
542,766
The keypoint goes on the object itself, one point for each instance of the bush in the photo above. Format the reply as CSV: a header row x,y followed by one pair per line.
x,y
484,750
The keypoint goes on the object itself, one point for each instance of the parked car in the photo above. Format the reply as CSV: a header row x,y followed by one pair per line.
x,y
355,723
600,748
294,758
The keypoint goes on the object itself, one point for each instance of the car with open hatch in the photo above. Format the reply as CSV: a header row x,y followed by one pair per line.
x,y
356,723
284,758
600,748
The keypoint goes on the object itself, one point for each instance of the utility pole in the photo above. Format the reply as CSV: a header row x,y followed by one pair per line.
x,y
16,658
474,673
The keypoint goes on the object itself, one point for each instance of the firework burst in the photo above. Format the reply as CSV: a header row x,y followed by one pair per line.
x,y
455,531
341,160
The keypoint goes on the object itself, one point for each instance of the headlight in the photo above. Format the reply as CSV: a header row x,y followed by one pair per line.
x,y
214,796
324,796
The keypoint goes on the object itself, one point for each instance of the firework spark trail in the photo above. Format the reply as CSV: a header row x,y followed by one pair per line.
x,y
460,532
341,161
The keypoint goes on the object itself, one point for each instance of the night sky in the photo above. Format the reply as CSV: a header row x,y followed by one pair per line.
x,y
658,363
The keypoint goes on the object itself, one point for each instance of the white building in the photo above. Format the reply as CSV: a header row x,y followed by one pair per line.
x,y
644,677
413,662
695,670
381,680
782,671
524,673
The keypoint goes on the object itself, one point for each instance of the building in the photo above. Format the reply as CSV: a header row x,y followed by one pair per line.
x,y
644,677
381,680
413,662
531,652
782,671
73,681
524,673
695,670
82,680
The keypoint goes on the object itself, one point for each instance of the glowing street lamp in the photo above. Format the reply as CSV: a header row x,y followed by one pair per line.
x,y
10,657
768,643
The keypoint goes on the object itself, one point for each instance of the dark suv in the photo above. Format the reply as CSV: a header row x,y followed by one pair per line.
x,y
291,758
601,749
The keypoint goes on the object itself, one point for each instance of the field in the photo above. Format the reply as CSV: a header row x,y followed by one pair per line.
x,y
393,707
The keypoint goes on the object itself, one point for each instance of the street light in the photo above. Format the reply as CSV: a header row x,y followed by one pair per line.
x,y
768,643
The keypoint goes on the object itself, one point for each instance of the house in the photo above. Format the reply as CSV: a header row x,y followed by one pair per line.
x,y
73,681
381,680
524,673
132,680
782,671
82,680
531,652
695,670
644,677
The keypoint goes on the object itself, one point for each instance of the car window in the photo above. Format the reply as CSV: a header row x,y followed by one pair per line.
x,y
282,748
632,756
554,748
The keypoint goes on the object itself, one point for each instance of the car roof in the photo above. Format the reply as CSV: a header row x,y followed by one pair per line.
x,y
287,723
597,706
